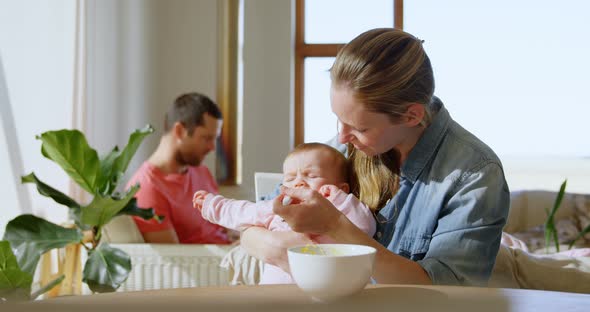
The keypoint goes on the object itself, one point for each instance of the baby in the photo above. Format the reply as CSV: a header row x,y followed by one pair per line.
x,y
316,166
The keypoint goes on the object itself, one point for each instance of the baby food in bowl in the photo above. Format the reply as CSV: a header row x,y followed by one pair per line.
x,y
331,271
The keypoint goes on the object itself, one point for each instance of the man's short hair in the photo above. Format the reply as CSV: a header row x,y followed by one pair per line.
x,y
189,109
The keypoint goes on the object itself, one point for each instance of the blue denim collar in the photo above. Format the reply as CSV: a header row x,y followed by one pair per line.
x,y
428,143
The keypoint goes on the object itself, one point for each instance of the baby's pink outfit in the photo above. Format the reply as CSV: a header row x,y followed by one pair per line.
x,y
240,214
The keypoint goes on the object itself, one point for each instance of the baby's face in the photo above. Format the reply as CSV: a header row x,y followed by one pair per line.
x,y
311,169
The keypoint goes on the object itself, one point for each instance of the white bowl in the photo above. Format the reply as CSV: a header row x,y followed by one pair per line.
x,y
331,271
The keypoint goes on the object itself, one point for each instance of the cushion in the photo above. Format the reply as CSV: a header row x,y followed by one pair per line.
x,y
122,230
516,268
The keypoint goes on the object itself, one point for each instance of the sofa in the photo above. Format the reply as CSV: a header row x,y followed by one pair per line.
x,y
516,268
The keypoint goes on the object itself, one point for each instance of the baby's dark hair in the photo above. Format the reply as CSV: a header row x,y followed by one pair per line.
x,y
340,161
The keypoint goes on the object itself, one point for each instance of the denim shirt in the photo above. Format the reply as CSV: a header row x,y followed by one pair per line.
x,y
451,207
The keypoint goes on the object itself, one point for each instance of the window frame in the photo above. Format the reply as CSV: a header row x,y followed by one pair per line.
x,y
227,90
304,50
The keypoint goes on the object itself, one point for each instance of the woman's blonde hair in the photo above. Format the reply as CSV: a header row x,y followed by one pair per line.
x,y
374,179
387,70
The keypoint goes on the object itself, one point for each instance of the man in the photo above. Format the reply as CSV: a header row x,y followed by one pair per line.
x,y
174,172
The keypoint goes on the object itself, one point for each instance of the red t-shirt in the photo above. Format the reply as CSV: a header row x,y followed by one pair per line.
x,y
171,196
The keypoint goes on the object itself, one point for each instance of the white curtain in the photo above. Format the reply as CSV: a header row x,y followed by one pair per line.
x,y
79,89
36,48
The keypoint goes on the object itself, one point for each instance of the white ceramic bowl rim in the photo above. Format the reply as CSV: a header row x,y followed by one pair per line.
x,y
357,250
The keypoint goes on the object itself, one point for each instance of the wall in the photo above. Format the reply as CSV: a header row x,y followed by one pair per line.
x,y
141,55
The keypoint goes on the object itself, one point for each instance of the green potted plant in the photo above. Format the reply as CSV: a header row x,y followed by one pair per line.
x,y
550,228
27,237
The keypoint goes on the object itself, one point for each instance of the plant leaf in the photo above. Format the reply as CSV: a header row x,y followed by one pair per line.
x,y
76,216
49,191
31,236
70,150
558,200
135,139
57,196
47,287
102,209
14,283
550,230
114,164
106,268
555,239
106,167
580,235
145,213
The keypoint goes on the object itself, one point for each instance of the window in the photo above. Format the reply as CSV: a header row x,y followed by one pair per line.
x,y
515,75
317,113
322,27
511,73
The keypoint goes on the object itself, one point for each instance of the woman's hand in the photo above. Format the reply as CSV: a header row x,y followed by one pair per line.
x,y
310,213
271,247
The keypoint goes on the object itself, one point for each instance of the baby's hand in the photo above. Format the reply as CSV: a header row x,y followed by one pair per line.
x,y
199,199
329,191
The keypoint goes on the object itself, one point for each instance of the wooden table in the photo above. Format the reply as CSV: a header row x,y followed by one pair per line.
x,y
291,298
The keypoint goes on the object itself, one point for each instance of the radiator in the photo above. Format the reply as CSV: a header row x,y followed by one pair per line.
x,y
156,266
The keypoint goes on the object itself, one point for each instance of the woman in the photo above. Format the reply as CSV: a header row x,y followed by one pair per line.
x,y
442,191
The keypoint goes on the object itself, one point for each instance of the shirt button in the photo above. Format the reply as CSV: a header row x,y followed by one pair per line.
x,y
378,235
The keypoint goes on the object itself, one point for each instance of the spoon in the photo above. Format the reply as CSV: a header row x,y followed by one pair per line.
x,y
286,201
